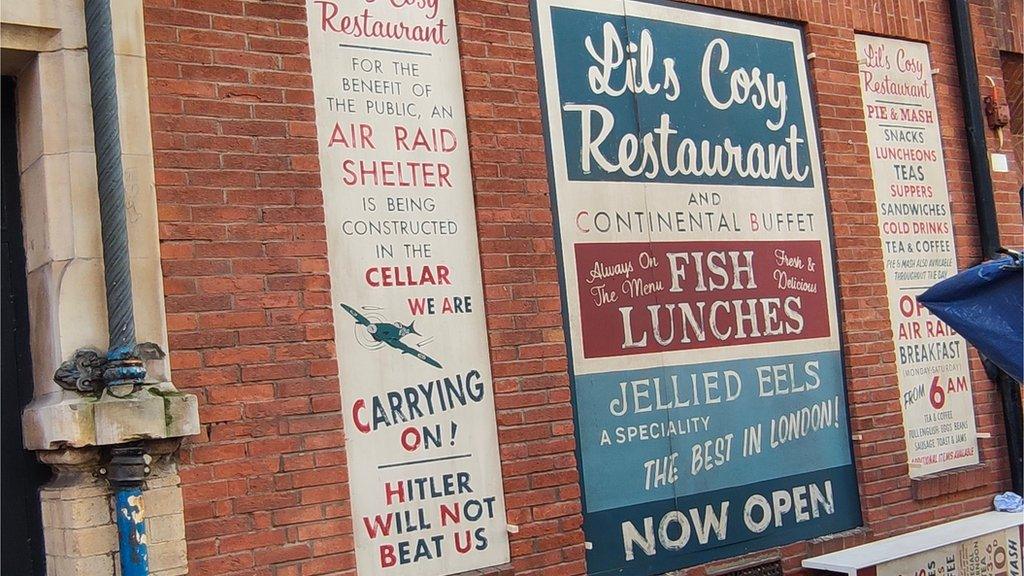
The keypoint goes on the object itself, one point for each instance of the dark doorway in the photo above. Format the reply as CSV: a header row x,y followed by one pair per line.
x,y
21,474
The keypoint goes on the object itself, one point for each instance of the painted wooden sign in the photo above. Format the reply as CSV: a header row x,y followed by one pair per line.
x,y
424,473
917,244
995,554
698,275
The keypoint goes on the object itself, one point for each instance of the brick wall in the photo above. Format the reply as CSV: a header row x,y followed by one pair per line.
x,y
243,248
994,32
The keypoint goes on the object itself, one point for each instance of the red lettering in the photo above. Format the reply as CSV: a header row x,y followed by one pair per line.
x,y
459,546
405,276
387,556
370,275
417,306
378,525
411,439
452,515
392,490
357,407
326,20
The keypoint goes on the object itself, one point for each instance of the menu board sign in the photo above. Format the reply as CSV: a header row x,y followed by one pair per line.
x,y
917,244
996,554
697,270
417,397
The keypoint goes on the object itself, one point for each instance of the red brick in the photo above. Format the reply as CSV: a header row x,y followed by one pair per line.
x,y
249,312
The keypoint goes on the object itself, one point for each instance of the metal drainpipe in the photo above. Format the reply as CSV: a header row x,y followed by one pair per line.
x,y
128,464
126,472
985,206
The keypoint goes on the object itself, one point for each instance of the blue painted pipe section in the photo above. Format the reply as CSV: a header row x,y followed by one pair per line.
x,y
123,367
131,531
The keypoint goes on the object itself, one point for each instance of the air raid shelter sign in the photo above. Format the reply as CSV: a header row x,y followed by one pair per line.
x,y
416,388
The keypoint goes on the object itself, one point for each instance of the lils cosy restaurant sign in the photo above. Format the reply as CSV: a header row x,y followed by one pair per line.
x,y
424,474
698,276
914,217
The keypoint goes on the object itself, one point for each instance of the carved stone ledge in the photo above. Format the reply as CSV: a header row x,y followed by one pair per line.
x,y
68,419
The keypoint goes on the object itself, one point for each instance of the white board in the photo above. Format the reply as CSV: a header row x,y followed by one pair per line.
x,y
917,244
995,554
417,394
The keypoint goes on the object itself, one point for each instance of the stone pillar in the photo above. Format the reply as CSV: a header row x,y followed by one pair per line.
x,y
78,532
80,535
71,431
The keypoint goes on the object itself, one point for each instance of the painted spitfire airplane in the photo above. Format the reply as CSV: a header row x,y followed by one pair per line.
x,y
391,334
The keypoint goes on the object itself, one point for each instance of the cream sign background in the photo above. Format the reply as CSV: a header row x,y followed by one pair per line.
x,y
995,554
917,244
424,474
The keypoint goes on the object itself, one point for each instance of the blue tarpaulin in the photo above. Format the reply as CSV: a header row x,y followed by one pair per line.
x,y
985,304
